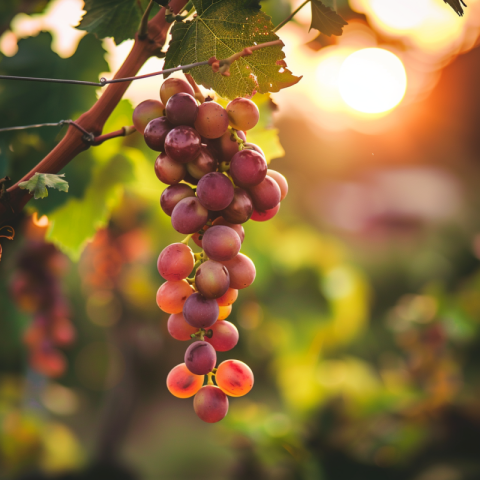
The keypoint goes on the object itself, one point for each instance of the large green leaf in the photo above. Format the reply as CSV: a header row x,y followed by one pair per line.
x,y
326,20
222,28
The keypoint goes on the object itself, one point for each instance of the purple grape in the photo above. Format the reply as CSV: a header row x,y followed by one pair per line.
x,y
203,164
236,226
240,209
256,148
156,132
212,279
182,144
200,358
145,112
173,194
266,195
200,312
221,243
189,216
210,404
168,171
224,336
181,109
248,168
215,191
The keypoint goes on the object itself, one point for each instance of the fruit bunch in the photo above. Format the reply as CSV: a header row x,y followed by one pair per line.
x,y
217,181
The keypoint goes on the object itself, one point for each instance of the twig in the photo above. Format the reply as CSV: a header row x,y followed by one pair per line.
x,y
198,93
281,24
143,29
123,132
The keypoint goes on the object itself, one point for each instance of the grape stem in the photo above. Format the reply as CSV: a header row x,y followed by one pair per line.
x,y
198,94
186,239
237,139
210,380
284,22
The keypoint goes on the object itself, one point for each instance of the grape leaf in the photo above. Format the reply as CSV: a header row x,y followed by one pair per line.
x,y
455,4
326,20
222,28
40,181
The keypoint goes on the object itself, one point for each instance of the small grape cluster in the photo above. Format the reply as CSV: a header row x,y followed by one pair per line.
x,y
217,181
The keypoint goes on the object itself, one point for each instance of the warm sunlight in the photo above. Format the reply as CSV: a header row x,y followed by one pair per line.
x,y
372,80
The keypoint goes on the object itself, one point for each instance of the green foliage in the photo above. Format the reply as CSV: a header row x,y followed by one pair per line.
x,y
221,29
326,20
113,18
9,8
37,185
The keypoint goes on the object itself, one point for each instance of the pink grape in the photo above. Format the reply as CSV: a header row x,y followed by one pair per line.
x,y
235,378
264,216
168,171
156,132
171,86
181,109
200,312
210,404
175,262
221,243
236,226
215,191
240,208
178,328
172,295
242,113
266,195
248,168
227,147
212,120
281,181
182,383
182,144
189,216
146,111
203,164
173,194
242,271
224,336
212,279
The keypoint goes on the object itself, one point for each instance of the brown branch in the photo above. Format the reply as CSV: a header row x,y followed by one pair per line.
x,y
94,120
123,132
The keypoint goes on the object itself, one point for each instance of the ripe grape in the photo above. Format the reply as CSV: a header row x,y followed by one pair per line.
x,y
235,378
266,195
181,109
171,86
189,215
182,144
173,194
198,236
200,312
178,328
172,295
212,279
256,148
266,215
248,168
182,383
146,111
200,358
243,114
224,336
156,132
175,262
215,191
224,312
236,226
240,209
212,120
242,271
228,298
210,404
168,171
227,145
281,181
203,164
221,243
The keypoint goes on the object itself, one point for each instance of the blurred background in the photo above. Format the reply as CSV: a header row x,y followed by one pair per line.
x,y
363,325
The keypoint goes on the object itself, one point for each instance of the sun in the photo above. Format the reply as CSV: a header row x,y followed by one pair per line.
x,y
372,80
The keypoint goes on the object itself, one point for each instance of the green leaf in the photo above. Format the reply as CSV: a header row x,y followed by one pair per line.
x,y
326,20
455,4
40,181
222,28
76,221
113,18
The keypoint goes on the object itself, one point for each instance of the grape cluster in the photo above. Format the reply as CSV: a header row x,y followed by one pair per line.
x,y
217,181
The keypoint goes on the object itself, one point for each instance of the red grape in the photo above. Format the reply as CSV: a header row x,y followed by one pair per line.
x,y
266,215
181,109
248,168
266,195
175,262
182,383
240,209
189,215
281,181
212,120
200,312
171,86
182,144
228,146
224,336
178,328
168,171
173,194
236,226
221,243
203,164
243,114
212,279
242,271
256,148
235,378
146,111
156,132
200,358
210,404
215,191
172,295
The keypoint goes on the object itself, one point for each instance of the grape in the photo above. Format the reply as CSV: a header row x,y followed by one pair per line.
x,y
212,279
236,226
49,362
240,209
203,164
221,243
215,191
235,378
182,144
241,270
212,120
243,114
146,111
281,181
182,383
168,171
173,194
62,332
172,295
189,216
266,195
200,358
172,86
181,109
228,146
228,298
224,312
256,148
266,215
178,328
224,336
200,312
175,262
210,404
198,236
248,168
156,132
